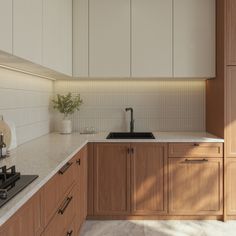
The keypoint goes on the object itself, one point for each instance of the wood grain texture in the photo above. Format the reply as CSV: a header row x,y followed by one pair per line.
x,y
195,188
27,221
231,32
195,150
215,87
231,187
111,179
90,179
149,179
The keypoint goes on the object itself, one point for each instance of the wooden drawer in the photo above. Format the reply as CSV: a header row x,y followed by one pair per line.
x,y
61,221
195,150
56,188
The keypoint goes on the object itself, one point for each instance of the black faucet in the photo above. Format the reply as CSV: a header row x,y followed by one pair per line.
x,y
131,118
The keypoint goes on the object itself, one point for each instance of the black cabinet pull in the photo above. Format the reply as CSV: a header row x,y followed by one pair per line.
x,y
196,144
78,162
132,150
65,168
69,233
66,204
128,150
195,161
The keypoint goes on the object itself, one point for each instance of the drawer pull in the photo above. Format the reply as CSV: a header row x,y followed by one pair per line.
x,y
67,202
196,144
78,162
195,161
69,233
65,168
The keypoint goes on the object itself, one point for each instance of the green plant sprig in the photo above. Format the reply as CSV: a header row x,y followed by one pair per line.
x,y
67,104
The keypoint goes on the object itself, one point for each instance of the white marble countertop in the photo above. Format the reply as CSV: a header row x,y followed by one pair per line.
x,y
44,156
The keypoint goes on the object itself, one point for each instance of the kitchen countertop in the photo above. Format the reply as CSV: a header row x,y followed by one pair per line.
x,y
44,156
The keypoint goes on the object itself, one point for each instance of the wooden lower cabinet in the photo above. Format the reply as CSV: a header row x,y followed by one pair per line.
x,y
111,179
195,186
80,188
231,186
27,221
149,179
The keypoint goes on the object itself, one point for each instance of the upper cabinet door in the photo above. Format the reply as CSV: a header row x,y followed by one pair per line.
x,y
80,38
231,32
109,38
194,38
151,38
6,25
57,35
27,30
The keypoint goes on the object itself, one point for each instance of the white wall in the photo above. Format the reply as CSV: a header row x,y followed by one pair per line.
x,y
25,100
158,105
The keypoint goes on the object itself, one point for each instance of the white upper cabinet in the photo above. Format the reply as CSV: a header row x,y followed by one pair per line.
x,y
151,38
27,30
6,25
194,38
80,38
57,35
109,38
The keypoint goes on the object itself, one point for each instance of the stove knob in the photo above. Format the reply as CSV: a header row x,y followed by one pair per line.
x,y
3,194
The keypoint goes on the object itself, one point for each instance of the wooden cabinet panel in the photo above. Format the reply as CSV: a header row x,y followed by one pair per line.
x,y
231,186
109,38
231,32
195,150
27,221
27,41
54,191
6,25
57,35
194,38
63,217
230,127
195,186
81,187
111,179
151,38
149,179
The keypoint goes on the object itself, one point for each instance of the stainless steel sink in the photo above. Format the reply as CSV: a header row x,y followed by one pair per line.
x,y
129,135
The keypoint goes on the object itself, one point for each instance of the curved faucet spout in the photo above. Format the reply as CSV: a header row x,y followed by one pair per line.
x,y
131,118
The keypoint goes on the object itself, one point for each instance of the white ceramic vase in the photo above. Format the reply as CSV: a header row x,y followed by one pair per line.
x,y
66,126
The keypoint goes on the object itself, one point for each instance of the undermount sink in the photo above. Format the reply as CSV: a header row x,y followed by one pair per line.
x,y
129,135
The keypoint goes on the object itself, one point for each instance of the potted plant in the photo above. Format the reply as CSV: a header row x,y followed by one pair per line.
x,y
67,105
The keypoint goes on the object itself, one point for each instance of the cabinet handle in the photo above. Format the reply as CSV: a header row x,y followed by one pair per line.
x,y
65,168
78,161
196,144
195,161
128,150
69,233
132,150
67,202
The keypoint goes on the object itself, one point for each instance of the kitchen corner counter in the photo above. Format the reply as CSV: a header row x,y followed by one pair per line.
x,y
44,156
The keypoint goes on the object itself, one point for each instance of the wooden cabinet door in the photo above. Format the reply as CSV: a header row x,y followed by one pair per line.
x,y
28,26
231,186
195,186
111,179
57,35
231,32
27,221
149,179
6,25
194,38
109,38
81,187
230,126
151,38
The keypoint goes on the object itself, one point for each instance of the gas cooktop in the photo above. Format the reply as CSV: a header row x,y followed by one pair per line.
x,y
12,182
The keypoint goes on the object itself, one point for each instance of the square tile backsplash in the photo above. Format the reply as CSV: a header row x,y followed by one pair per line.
x,y
158,105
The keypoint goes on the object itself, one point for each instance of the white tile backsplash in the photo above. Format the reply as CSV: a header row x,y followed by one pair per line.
x,y
158,105
25,100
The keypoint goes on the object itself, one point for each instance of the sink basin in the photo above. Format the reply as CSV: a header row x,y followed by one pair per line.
x,y
135,135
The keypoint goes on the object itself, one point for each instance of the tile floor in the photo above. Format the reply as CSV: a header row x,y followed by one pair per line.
x,y
159,228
